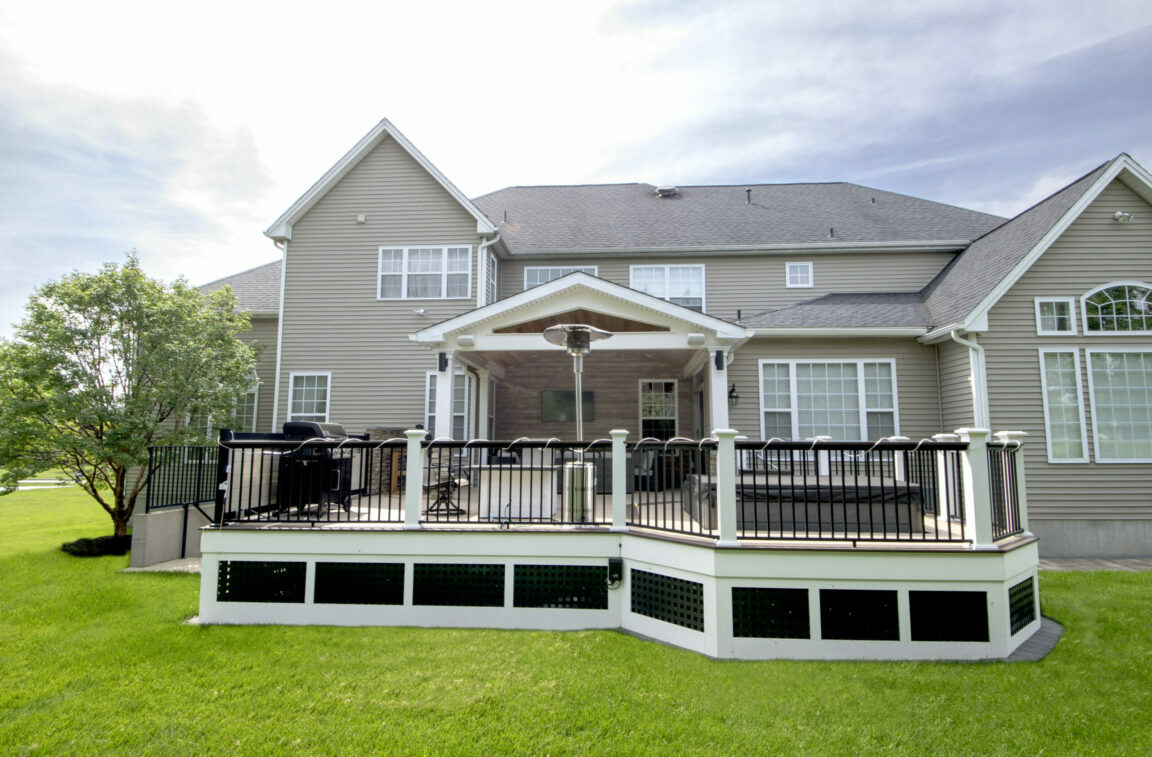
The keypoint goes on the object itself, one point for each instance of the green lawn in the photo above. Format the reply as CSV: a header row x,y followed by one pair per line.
x,y
93,661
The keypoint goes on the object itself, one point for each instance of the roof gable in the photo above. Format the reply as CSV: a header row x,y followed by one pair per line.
x,y
961,296
281,228
257,289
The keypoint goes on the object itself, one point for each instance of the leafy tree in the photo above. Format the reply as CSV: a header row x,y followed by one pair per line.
x,y
104,366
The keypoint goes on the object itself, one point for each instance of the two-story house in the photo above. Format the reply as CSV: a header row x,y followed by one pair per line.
x,y
781,310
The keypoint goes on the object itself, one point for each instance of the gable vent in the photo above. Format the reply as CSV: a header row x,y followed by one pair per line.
x,y
668,190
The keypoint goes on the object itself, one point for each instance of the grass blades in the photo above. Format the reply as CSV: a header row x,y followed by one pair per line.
x,y
97,661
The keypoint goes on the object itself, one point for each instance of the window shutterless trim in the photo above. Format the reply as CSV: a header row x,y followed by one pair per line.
x,y
1089,352
861,389
1075,352
327,393
1070,301
667,280
788,275
404,273
1084,309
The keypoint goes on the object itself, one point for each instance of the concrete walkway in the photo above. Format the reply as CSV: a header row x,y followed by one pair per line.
x,y
1096,563
187,565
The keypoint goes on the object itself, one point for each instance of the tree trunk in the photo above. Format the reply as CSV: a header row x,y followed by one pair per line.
x,y
119,524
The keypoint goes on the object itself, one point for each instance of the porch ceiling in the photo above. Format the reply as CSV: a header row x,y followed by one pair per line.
x,y
614,323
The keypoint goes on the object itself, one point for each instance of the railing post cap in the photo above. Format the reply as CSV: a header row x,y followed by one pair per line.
x,y
1007,436
972,434
729,433
415,433
618,432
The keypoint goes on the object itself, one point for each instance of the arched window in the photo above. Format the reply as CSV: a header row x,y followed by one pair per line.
x,y
1123,306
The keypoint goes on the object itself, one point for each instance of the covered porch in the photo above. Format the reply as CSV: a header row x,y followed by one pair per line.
x,y
663,372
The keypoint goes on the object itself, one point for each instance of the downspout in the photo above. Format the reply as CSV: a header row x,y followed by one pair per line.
x,y
979,381
283,247
482,266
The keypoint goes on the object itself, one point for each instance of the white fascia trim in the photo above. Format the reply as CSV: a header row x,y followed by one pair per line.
x,y
436,334
1121,163
946,245
281,228
839,331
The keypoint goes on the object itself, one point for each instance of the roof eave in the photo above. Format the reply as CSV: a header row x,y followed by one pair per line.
x,y
945,245
839,331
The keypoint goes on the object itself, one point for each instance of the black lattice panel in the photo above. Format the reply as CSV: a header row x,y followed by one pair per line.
x,y
948,615
577,587
766,613
1022,604
359,583
672,600
859,614
260,581
458,585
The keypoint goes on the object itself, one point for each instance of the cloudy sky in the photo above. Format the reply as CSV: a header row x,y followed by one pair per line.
x,y
182,131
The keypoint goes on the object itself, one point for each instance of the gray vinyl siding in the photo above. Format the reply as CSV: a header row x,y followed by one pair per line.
x,y
755,283
955,386
916,377
264,332
332,319
1093,251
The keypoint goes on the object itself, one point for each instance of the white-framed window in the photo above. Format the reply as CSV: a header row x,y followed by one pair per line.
x,y
1064,428
425,273
798,276
1122,307
658,408
850,400
461,399
244,417
492,279
535,275
1120,391
308,396
1055,316
679,284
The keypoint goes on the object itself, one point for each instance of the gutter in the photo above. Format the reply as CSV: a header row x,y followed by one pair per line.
x,y
980,411
946,245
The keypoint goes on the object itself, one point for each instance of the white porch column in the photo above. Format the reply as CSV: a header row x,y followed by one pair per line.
x,y
445,378
977,491
483,401
718,388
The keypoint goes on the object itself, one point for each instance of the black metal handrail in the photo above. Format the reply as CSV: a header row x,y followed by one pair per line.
x,y
1002,490
180,477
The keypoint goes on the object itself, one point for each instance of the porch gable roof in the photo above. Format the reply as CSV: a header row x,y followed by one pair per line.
x,y
579,290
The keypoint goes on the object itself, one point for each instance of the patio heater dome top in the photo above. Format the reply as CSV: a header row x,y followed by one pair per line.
x,y
577,338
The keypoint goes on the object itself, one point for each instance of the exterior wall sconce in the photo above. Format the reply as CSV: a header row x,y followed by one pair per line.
x,y
1121,217
733,397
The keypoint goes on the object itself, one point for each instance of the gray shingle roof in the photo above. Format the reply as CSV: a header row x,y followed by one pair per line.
x,y
970,276
257,289
633,216
849,310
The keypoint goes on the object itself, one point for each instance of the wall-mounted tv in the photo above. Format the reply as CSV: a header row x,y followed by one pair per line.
x,y
559,406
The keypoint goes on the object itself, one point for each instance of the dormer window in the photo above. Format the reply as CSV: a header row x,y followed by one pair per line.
x,y
1120,307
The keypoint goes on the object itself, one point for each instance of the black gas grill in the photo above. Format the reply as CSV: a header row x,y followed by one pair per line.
x,y
314,475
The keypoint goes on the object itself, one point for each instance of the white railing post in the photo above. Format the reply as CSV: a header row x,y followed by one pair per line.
x,y
413,478
620,473
726,486
1021,490
977,491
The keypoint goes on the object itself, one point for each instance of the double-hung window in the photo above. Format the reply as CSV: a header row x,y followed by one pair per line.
x,y
244,417
1120,383
1063,406
425,273
308,397
658,408
846,400
679,284
492,279
534,276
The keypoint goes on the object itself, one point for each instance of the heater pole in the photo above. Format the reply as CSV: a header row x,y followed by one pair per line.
x,y
578,369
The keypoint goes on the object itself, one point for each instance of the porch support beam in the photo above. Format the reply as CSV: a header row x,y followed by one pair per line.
x,y
718,387
413,476
726,485
483,402
445,377
977,491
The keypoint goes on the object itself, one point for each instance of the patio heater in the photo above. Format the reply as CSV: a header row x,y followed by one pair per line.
x,y
578,475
